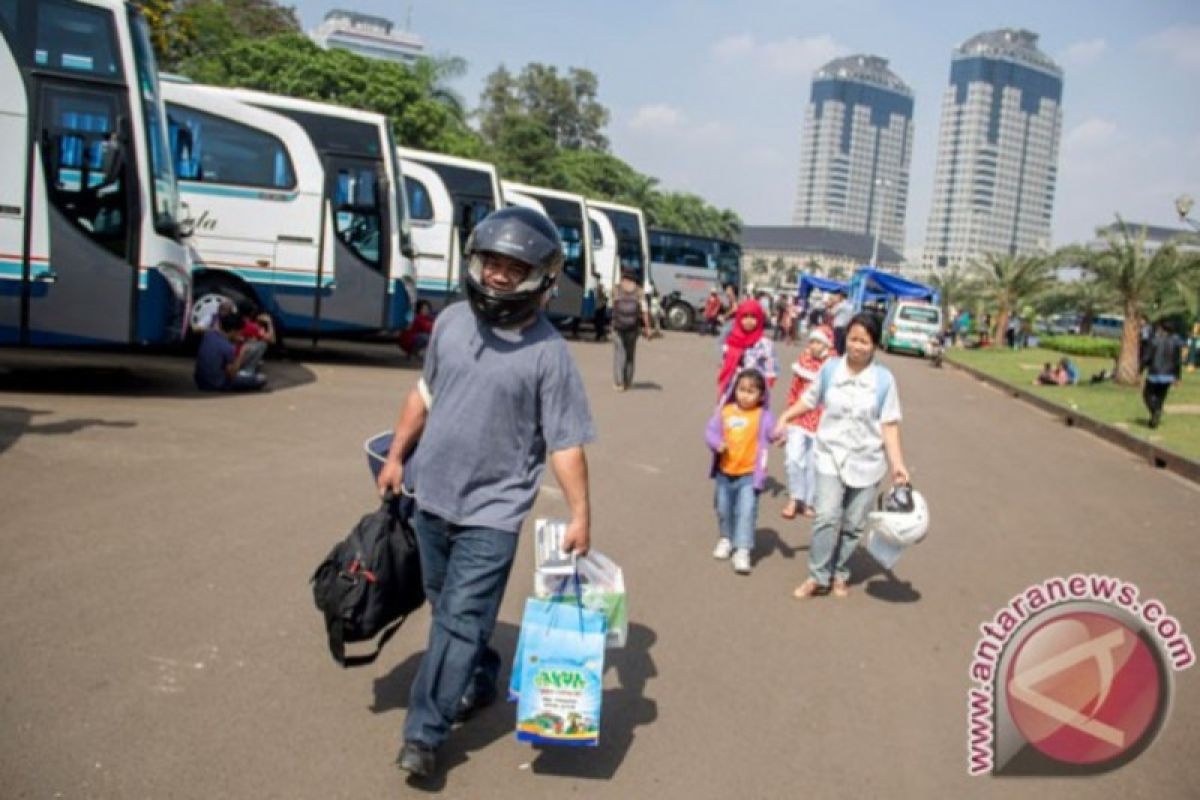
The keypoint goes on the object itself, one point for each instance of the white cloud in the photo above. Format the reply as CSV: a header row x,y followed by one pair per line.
x,y
789,56
734,46
656,118
1092,134
1180,44
1083,53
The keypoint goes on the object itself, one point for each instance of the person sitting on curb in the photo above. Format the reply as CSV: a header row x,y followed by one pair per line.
x,y
1046,377
415,337
258,331
219,365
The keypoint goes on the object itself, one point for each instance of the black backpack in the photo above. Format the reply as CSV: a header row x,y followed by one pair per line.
x,y
370,580
627,309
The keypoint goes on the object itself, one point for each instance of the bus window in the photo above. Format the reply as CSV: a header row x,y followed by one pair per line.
x,y
597,237
84,162
222,151
76,38
357,214
420,207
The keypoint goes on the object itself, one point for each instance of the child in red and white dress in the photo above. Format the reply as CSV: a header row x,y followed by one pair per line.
x,y
800,461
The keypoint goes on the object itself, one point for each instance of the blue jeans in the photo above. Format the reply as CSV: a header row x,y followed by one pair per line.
x,y
464,571
841,516
737,509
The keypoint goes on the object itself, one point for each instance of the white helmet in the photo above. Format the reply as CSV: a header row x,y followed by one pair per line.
x,y
902,521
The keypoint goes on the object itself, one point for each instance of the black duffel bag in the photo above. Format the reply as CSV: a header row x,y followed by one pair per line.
x,y
371,581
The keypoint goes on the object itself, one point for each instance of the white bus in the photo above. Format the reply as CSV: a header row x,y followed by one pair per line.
x,y
446,196
621,243
91,247
295,205
573,298
685,268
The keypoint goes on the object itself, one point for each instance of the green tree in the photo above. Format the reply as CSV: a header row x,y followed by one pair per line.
x,y
1147,284
171,33
837,272
1008,282
423,115
567,106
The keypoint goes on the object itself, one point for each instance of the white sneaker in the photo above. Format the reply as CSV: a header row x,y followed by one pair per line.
x,y
723,549
741,562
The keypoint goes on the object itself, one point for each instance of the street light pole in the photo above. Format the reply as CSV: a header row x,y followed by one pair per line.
x,y
879,182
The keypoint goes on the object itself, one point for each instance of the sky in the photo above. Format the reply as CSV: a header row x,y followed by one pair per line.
x,y
709,96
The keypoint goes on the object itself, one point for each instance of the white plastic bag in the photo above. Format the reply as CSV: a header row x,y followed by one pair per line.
x,y
602,584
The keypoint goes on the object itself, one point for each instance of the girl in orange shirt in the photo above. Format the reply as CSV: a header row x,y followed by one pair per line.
x,y
739,436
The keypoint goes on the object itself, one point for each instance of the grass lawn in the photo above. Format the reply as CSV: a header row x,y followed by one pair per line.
x,y
1117,405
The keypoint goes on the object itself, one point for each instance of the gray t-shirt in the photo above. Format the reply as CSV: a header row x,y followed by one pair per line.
x,y
501,399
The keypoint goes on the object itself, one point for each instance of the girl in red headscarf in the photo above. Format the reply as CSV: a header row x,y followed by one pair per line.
x,y
746,347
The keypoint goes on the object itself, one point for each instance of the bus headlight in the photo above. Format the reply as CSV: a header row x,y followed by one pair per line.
x,y
177,278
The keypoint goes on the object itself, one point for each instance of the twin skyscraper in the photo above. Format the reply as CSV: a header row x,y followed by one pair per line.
x,y
997,151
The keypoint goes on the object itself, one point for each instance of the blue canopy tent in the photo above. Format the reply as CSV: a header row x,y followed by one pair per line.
x,y
810,282
870,283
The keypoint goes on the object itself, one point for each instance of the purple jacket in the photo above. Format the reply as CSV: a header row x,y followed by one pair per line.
x,y
713,437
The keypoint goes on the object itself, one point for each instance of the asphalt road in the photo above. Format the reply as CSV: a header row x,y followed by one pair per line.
x,y
159,638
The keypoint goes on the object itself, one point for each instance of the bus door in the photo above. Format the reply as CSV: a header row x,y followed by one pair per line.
x,y
80,271
353,283
567,298
430,213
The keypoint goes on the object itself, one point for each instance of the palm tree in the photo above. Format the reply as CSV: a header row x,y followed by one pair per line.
x,y
951,285
1010,281
1146,284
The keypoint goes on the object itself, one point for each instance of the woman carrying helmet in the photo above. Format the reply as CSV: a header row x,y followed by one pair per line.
x,y
858,436
499,396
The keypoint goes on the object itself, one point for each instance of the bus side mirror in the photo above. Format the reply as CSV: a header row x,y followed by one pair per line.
x,y
187,224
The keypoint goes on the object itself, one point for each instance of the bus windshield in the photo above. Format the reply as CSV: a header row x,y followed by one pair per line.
x,y
164,198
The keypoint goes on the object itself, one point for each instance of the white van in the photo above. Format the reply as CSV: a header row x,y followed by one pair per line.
x,y
910,325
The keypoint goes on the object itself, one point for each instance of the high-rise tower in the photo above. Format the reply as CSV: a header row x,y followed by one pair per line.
x,y
997,151
856,148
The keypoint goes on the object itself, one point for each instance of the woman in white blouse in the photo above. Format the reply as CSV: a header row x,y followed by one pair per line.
x,y
858,436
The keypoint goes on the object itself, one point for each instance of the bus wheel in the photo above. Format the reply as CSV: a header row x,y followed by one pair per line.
x,y
680,317
206,301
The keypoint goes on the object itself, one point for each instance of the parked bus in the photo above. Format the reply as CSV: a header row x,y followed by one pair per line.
x,y
685,268
446,197
573,296
623,243
295,205
91,246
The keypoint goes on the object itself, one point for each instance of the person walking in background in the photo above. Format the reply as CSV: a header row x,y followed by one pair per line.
x,y
840,315
746,347
1162,361
629,314
738,434
857,437
499,396
600,315
800,463
712,313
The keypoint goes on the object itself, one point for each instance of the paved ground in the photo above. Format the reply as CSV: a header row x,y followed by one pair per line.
x,y
160,640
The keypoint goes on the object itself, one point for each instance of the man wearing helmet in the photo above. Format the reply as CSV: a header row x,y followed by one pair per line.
x,y
499,392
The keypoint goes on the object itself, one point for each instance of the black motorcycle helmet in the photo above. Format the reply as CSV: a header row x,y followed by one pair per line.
x,y
522,234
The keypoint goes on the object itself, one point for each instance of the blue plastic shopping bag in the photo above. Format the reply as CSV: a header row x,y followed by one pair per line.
x,y
558,673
